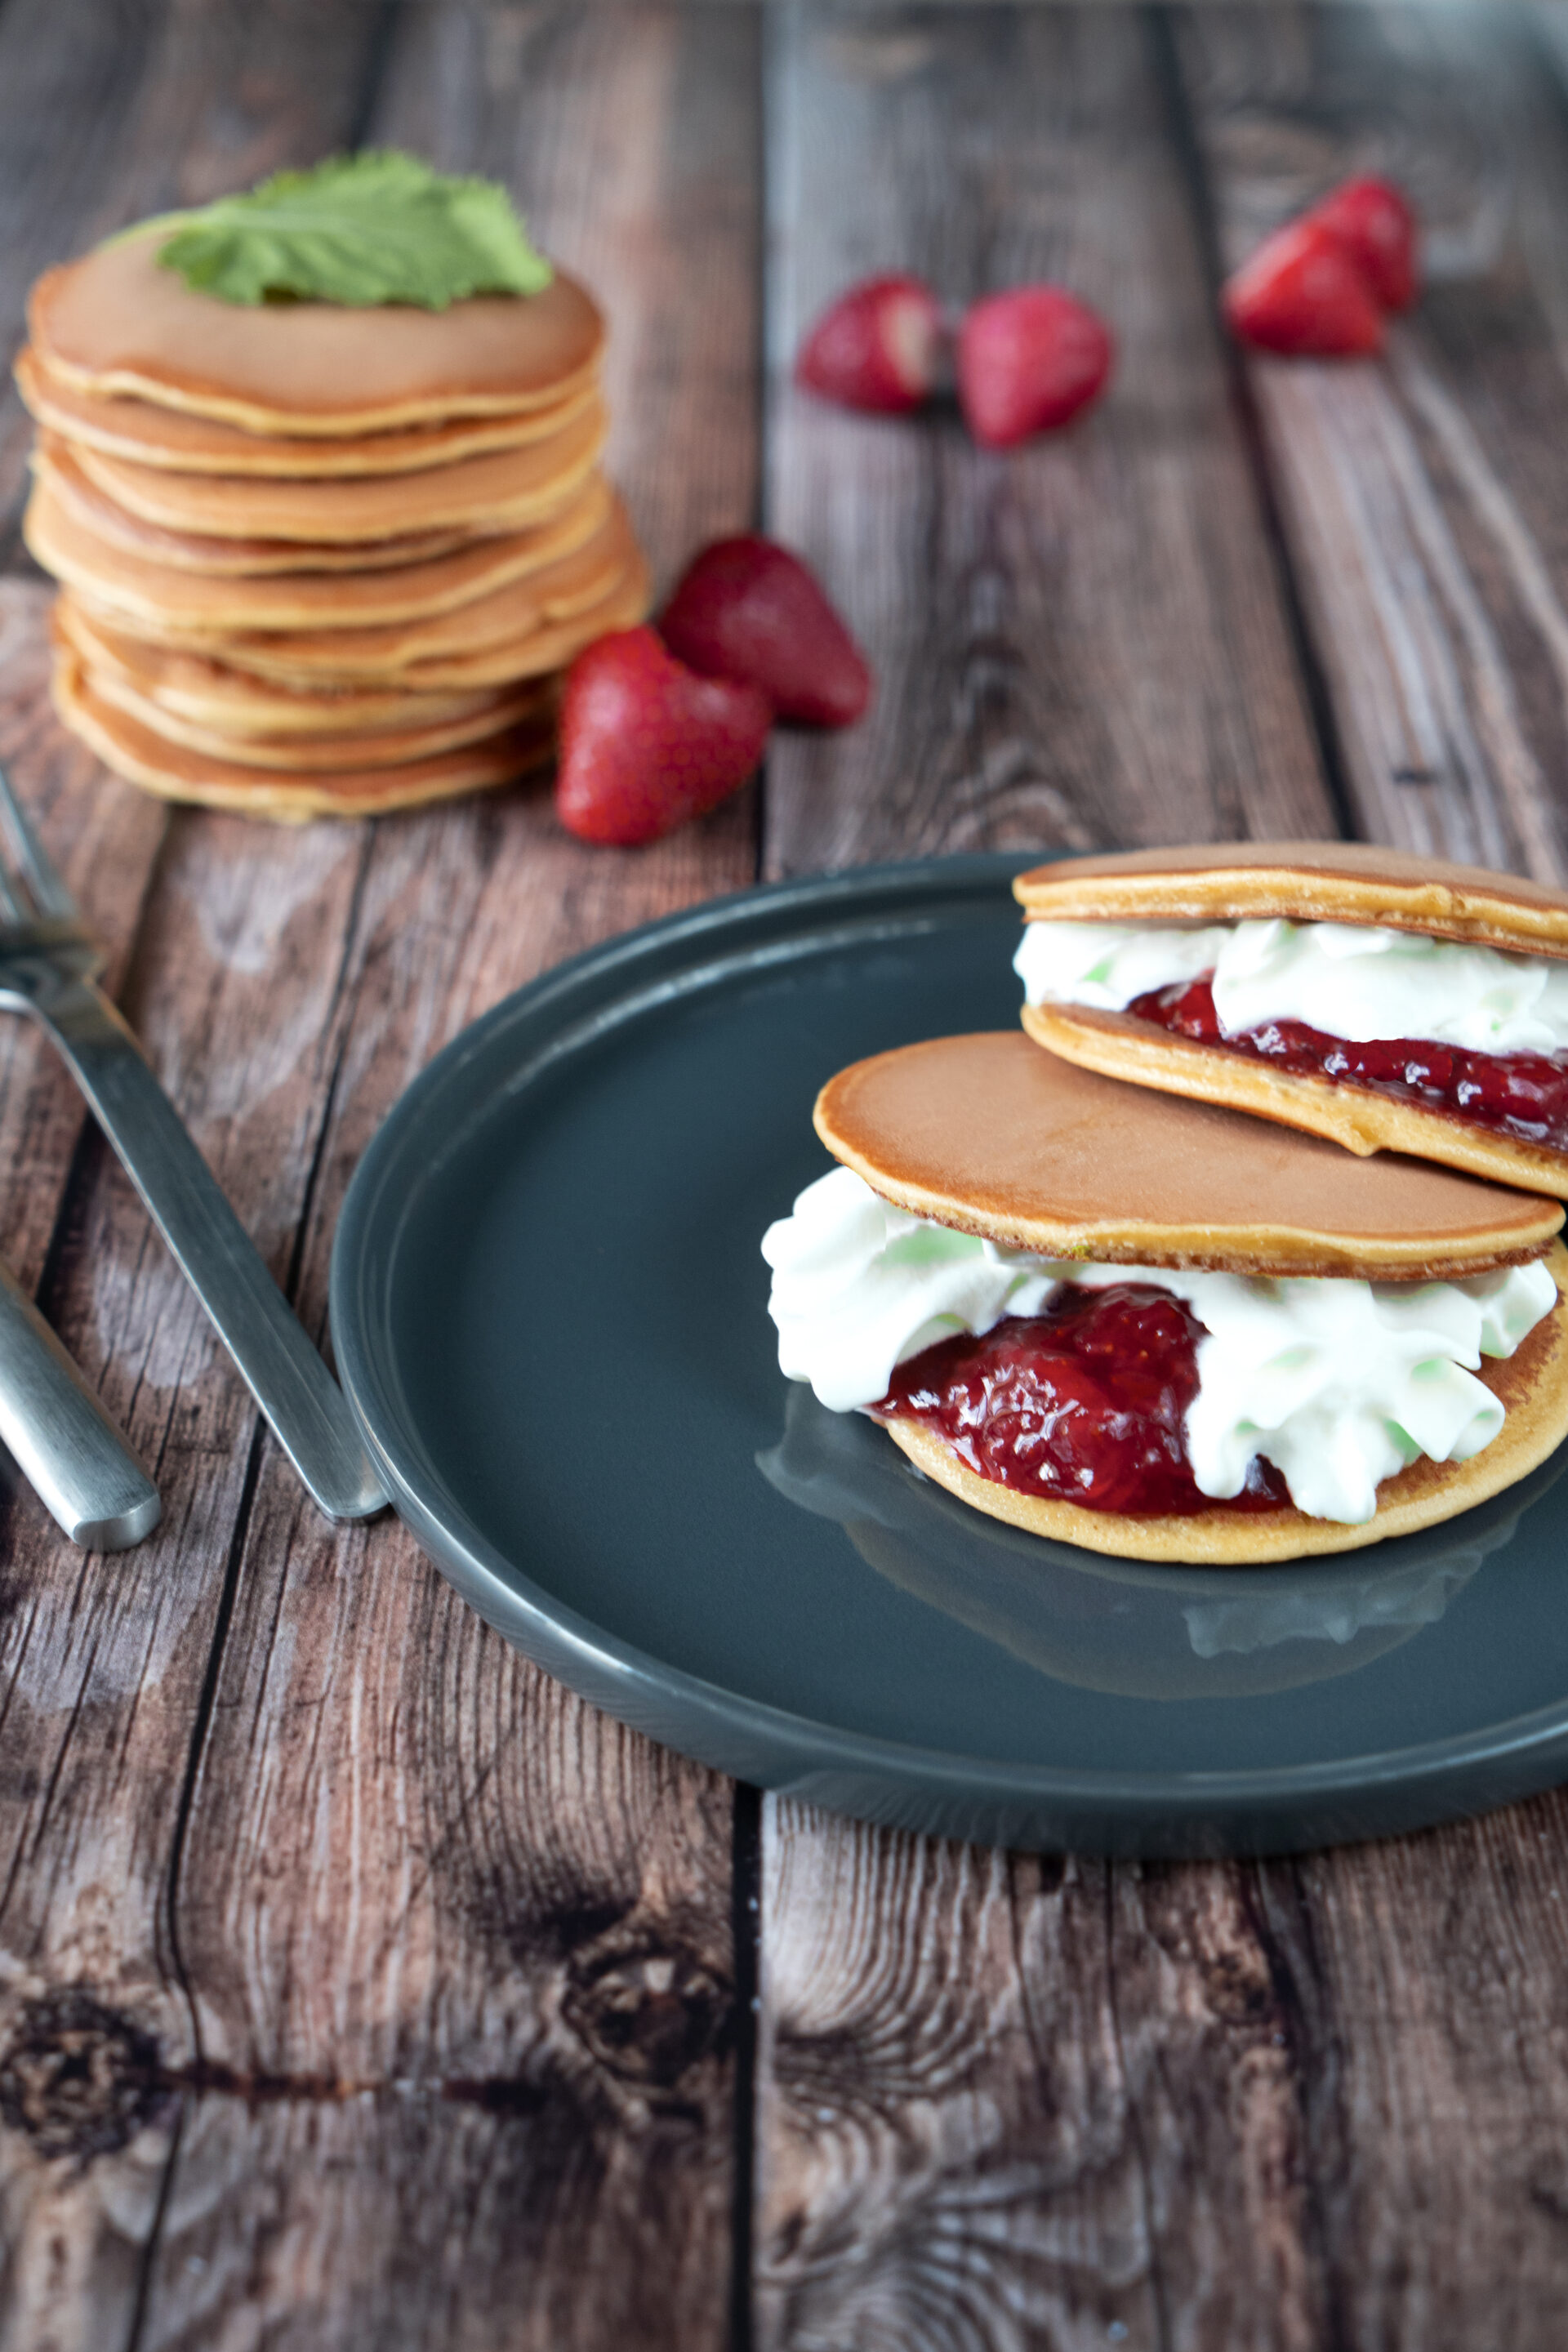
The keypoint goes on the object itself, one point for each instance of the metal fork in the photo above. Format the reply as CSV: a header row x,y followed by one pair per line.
x,y
48,968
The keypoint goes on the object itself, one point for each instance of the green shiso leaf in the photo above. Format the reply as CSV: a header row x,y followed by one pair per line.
x,y
358,229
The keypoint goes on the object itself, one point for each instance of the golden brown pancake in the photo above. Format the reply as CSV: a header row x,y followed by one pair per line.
x,y
236,703
162,598
1358,1119
988,1134
178,774
504,489
116,322
515,633
151,435
1337,882
411,735
1305,882
551,648
1532,1385
247,558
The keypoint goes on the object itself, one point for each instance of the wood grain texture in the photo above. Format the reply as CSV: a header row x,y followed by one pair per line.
x,y
445,1913
1078,642
101,1671
1019,2101
1427,524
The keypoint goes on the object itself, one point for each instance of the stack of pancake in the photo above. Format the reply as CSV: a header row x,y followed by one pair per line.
x,y
316,559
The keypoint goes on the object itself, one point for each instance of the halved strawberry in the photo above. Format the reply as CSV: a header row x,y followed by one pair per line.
x,y
1373,222
1028,360
645,743
1301,293
746,608
876,347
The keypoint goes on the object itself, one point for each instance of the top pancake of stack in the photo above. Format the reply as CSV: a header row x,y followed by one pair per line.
x,y
304,496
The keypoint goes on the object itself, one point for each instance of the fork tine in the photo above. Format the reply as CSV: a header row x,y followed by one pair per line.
x,y
49,892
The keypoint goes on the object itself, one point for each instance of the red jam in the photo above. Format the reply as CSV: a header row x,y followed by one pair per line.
x,y
1523,1094
1085,1403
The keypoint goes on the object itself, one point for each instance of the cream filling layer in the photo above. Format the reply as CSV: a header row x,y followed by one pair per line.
x,y
1338,1384
1359,982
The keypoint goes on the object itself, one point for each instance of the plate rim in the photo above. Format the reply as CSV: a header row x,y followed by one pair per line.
x,y
614,1674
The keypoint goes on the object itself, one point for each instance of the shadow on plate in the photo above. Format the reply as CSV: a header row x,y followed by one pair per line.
x,y
1125,1626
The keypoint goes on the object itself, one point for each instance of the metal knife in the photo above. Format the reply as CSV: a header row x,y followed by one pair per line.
x,y
63,1442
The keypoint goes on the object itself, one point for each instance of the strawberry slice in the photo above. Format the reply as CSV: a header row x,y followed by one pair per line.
x,y
1303,294
746,608
1372,219
645,743
1029,360
876,347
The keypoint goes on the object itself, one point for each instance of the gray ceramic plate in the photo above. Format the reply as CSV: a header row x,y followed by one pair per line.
x,y
550,1312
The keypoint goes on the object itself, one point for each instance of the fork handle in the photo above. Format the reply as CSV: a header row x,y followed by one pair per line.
x,y
308,1412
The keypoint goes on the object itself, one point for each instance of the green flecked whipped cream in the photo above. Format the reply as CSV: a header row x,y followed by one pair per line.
x,y
1338,1384
1359,982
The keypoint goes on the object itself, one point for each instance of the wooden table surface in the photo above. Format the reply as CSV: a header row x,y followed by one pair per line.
x,y
358,1985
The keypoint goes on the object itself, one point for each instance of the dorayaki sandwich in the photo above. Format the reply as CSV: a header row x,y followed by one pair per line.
x,y
1392,1004
1157,1327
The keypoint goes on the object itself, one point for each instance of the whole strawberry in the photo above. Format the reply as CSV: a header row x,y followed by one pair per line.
x,y
1027,361
645,743
746,608
876,347
1303,294
1372,219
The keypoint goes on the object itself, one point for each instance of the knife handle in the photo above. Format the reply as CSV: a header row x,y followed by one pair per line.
x,y
63,1442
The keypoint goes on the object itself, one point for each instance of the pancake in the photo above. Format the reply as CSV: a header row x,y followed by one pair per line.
x,y
989,1134
235,703
1337,882
116,322
162,597
1532,1385
496,637
1121,1046
549,648
174,774
1306,882
53,462
504,489
150,434
411,734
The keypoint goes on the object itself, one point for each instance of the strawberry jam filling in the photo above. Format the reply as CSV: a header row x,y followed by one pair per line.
x,y
1085,1403
1522,1095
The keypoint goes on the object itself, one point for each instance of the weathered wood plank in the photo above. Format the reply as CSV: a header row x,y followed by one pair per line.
x,y
102,1666
1425,1984
1079,642
1427,524
412,1861
1011,2104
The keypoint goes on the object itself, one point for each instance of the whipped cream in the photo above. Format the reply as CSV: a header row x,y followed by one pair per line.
x,y
1338,1384
1359,982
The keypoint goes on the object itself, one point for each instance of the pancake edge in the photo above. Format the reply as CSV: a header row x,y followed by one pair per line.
x,y
436,406
1257,1249
1120,1045
1457,902
267,457
517,752
1532,1384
